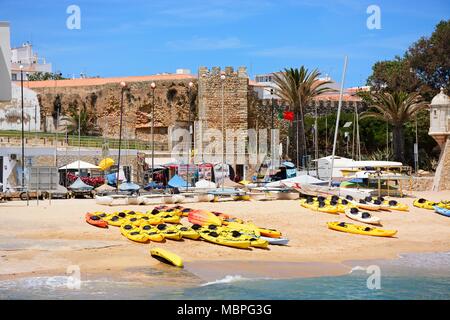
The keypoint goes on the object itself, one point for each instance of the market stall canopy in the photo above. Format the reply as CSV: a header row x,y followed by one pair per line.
x,y
177,182
82,165
80,185
160,162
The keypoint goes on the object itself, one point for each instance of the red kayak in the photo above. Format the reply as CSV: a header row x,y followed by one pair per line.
x,y
94,220
203,218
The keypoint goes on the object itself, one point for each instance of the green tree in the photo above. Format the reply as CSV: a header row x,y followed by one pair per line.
x,y
395,75
397,109
430,58
298,87
41,76
78,119
424,68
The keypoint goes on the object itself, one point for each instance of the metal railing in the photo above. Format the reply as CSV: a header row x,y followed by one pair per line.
x,y
45,138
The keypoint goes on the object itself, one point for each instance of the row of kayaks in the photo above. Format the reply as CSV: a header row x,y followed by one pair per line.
x,y
336,205
442,207
361,211
163,223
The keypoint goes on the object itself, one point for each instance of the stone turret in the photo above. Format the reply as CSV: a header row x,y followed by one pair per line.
x,y
440,131
214,93
440,118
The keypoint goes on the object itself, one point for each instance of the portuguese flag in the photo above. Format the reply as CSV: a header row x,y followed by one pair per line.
x,y
286,115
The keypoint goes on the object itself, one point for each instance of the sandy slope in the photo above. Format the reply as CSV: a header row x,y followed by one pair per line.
x,y
49,238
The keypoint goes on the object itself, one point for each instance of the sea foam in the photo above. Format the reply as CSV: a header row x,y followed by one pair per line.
x,y
231,279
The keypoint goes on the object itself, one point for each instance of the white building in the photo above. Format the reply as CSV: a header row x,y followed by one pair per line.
x,y
30,61
5,62
264,85
11,93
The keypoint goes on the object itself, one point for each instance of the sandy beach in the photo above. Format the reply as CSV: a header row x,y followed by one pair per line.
x,y
47,239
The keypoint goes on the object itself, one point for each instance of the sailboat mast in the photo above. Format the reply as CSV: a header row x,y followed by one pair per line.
x,y
79,141
316,142
341,93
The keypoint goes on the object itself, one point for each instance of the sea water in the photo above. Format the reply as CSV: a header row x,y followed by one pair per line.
x,y
412,276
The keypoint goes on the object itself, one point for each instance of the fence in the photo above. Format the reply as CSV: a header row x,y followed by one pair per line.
x,y
44,138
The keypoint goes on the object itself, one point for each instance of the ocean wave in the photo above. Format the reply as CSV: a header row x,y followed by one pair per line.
x,y
231,279
36,282
357,268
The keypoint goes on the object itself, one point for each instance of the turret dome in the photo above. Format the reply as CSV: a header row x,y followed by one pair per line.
x,y
441,99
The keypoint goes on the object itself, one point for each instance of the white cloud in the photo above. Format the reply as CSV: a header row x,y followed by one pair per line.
x,y
296,52
198,44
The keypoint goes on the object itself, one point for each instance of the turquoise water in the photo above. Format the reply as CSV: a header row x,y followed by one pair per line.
x,y
419,276
335,288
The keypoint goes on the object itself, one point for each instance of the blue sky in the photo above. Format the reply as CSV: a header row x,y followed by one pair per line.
x,y
140,37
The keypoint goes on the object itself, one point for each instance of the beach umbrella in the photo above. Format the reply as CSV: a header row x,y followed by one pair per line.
x,y
79,164
106,163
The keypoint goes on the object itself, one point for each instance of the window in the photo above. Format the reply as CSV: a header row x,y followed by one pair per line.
x,y
161,130
14,77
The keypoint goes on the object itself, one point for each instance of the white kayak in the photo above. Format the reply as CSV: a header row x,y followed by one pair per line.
x,y
276,241
135,200
361,216
362,204
107,201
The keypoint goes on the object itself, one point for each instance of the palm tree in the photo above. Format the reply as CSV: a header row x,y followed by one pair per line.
x,y
298,87
70,123
396,108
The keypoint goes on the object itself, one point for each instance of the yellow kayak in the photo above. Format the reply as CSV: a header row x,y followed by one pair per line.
x,y
133,233
394,205
216,238
319,206
114,220
271,233
169,232
144,220
174,219
167,257
327,209
249,228
424,204
152,233
255,241
357,229
444,204
187,232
